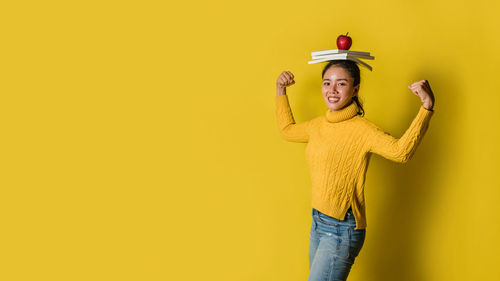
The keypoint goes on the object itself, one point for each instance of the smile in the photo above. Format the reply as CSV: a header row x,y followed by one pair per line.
x,y
333,99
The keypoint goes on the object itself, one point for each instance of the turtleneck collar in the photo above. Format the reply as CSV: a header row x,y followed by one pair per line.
x,y
345,113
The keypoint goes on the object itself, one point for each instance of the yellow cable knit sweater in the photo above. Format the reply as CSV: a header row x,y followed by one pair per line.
x,y
339,145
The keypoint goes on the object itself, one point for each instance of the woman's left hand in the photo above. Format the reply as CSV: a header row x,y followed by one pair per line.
x,y
423,90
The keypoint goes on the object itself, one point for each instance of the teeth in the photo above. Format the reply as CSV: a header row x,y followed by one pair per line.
x,y
333,99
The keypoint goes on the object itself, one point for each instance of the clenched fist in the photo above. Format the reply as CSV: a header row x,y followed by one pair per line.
x,y
284,80
423,90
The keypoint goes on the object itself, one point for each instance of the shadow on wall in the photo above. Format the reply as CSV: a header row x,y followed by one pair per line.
x,y
397,250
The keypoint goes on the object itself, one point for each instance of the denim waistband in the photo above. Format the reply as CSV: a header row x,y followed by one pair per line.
x,y
348,219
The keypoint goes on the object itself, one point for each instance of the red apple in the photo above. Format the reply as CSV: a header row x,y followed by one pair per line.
x,y
344,42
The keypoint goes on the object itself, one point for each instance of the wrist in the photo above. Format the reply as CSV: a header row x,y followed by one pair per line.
x,y
280,91
428,103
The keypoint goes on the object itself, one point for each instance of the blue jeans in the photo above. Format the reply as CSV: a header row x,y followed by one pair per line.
x,y
333,246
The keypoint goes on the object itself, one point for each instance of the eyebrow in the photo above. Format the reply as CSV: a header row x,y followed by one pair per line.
x,y
337,79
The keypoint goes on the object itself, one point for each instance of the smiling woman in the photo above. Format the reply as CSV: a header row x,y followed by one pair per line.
x,y
339,145
341,82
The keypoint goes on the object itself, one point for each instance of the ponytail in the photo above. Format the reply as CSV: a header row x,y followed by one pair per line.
x,y
361,110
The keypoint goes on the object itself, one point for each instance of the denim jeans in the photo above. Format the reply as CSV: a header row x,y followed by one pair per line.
x,y
333,246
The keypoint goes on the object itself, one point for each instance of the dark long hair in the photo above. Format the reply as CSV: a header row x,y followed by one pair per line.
x,y
353,69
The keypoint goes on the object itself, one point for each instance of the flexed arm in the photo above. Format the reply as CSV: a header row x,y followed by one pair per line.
x,y
289,130
402,149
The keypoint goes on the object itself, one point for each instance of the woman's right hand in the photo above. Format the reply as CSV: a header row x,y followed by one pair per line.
x,y
284,80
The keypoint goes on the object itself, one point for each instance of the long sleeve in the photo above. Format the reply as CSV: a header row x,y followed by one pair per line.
x,y
289,130
402,149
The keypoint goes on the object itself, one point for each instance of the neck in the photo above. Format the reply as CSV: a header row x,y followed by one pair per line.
x,y
345,113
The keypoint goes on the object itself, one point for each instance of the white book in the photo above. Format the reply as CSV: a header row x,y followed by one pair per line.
x,y
344,54
362,63
345,57
338,51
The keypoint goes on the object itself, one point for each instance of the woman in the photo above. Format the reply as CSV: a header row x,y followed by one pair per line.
x,y
339,145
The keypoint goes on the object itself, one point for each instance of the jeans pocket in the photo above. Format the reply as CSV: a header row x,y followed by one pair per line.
x,y
325,219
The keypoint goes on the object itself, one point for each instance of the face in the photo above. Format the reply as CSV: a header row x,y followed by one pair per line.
x,y
337,88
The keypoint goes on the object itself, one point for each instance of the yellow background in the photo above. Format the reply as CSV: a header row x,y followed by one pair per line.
x,y
139,141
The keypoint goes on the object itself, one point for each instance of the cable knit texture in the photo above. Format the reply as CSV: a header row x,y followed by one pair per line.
x,y
339,145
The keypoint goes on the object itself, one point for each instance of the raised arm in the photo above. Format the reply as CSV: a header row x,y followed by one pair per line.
x,y
402,149
289,130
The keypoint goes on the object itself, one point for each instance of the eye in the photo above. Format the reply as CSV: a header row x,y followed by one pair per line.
x,y
326,83
341,84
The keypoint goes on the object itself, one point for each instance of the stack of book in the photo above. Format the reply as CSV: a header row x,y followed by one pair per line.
x,y
338,54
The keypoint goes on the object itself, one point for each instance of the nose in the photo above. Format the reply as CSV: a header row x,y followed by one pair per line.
x,y
333,88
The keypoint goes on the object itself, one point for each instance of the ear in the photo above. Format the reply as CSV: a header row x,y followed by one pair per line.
x,y
356,90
